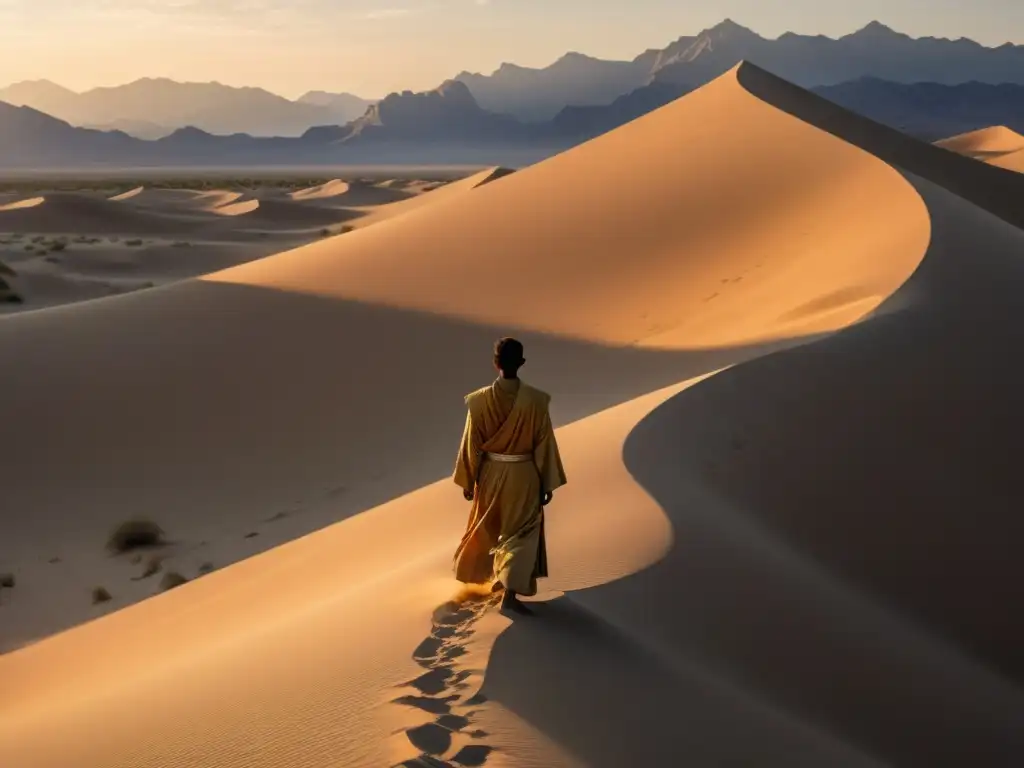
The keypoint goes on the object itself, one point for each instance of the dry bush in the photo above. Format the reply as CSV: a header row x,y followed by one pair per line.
x,y
7,580
153,566
100,595
136,534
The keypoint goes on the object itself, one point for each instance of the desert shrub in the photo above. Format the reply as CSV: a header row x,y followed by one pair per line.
x,y
153,567
133,243
100,595
58,245
171,580
7,580
135,534
325,232
7,294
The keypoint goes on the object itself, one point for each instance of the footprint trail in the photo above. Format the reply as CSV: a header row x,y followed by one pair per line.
x,y
449,741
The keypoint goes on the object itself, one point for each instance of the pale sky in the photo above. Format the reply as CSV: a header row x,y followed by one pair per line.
x,y
372,47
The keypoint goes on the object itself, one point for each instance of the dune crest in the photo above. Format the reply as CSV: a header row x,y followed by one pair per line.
x,y
995,140
18,205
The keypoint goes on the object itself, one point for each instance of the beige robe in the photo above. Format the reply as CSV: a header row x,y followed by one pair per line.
x,y
504,537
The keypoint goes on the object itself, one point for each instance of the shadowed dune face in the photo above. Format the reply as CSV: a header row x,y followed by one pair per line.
x,y
845,523
991,188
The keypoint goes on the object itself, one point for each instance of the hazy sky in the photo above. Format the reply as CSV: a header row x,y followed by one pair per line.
x,y
371,47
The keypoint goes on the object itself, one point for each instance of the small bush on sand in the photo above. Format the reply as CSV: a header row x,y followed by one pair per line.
x,y
133,243
135,534
346,229
58,245
100,595
171,580
153,566
8,295
7,580
325,232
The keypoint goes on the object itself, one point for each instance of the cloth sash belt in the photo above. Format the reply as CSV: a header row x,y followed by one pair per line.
x,y
510,458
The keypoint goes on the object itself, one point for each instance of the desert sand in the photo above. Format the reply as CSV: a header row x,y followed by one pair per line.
x,y
783,382
65,247
999,146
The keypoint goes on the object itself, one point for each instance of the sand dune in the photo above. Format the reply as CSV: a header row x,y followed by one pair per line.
x,y
188,199
995,140
78,213
429,198
29,202
785,540
998,146
274,213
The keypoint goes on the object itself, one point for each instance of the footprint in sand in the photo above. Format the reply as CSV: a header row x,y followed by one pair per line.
x,y
439,692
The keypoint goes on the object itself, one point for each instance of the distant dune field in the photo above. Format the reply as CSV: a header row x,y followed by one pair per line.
x,y
86,240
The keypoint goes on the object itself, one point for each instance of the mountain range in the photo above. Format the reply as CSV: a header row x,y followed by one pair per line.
x,y
471,117
806,60
152,108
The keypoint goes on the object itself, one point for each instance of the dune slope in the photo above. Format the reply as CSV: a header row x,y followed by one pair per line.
x,y
708,619
987,141
998,146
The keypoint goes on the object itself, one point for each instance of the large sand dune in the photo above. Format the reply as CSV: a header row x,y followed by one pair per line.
x,y
998,146
785,541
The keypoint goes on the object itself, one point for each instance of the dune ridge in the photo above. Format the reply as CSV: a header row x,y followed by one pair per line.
x,y
997,139
690,332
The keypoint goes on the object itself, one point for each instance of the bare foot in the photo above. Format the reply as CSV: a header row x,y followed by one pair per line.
x,y
512,603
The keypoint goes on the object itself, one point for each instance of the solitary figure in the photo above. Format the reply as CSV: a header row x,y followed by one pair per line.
x,y
509,467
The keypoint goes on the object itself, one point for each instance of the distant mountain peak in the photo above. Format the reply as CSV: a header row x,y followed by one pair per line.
x,y
729,29
878,30
455,90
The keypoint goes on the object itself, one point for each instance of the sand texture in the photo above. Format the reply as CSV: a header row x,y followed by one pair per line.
x,y
782,345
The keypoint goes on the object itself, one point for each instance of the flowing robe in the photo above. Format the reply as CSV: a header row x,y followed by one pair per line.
x,y
504,537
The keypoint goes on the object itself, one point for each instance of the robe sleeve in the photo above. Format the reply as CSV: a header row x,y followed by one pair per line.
x,y
547,457
468,460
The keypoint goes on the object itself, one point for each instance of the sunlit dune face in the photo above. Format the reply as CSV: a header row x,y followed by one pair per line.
x,y
31,202
717,220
